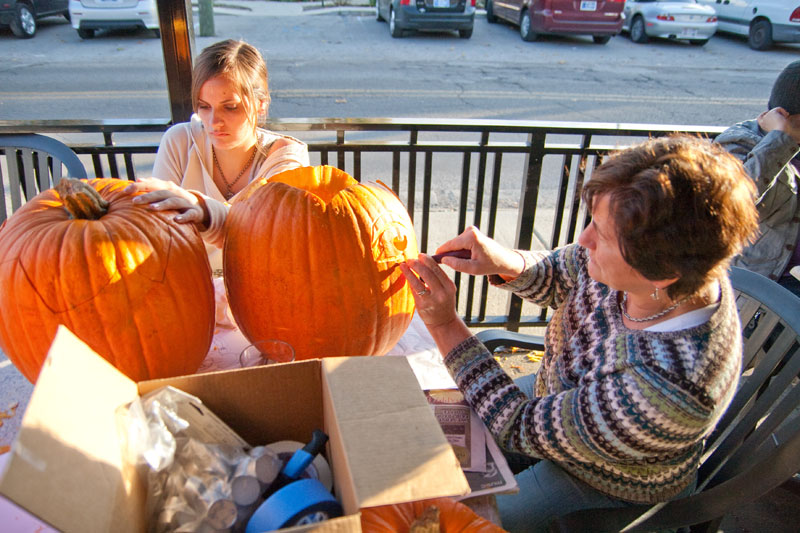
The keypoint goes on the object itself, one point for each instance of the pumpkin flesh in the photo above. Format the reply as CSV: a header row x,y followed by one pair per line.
x,y
454,517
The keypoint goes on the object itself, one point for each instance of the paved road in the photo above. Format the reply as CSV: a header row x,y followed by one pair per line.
x,y
348,65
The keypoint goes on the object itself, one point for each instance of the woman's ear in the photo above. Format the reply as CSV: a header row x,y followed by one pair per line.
x,y
664,283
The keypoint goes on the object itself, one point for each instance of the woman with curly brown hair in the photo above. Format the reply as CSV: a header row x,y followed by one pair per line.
x,y
642,353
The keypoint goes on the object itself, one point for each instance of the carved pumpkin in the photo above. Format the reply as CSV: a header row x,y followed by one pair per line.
x,y
454,517
311,258
132,284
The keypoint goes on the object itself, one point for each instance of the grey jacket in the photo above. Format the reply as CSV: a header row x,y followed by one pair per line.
x,y
767,158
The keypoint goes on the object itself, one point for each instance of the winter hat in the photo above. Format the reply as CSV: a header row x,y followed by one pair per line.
x,y
786,90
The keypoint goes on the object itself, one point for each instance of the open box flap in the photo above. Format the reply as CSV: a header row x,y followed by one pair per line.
x,y
66,464
250,403
394,447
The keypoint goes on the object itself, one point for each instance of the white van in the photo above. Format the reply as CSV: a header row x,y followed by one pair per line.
x,y
89,16
763,22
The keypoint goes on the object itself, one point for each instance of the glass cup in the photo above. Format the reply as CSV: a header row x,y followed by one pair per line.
x,y
266,352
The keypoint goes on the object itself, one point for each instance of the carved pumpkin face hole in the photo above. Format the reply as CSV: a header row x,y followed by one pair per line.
x,y
389,239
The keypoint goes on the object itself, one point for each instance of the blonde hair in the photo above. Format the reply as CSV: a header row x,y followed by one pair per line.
x,y
242,64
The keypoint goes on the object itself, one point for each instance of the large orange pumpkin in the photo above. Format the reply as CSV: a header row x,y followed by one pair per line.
x,y
454,517
311,258
132,284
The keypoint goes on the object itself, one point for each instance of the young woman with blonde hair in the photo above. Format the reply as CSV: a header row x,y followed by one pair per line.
x,y
201,165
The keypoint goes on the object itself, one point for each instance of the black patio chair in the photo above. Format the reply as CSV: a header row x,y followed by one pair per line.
x,y
756,444
33,163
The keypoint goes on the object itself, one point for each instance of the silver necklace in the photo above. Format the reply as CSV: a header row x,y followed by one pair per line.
x,y
624,308
229,186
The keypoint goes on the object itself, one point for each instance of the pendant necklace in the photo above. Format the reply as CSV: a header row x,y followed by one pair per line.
x,y
229,186
624,306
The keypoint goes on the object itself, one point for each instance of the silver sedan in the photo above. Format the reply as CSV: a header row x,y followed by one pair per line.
x,y
677,19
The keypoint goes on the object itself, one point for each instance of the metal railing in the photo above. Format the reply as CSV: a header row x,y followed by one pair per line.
x,y
519,181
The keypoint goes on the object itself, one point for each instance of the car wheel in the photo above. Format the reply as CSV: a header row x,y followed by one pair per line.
x,y
760,37
394,30
86,34
23,25
490,16
157,33
698,42
525,27
601,39
638,34
67,16
378,15
465,34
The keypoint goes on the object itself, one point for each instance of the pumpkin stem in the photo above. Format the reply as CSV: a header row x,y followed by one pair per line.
x,y
81,200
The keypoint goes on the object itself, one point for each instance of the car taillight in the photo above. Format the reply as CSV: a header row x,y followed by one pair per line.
x,y
669,18
795,16
405,2
711,19
472,3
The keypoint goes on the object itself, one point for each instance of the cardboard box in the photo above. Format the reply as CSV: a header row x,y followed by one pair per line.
x,y
385,444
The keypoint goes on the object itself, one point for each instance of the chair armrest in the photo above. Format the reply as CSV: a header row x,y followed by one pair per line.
x,y
493,338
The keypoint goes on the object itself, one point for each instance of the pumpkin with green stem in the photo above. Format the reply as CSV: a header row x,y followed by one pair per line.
x,y
132,284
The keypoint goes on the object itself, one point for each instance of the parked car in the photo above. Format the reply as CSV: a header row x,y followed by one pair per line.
x,y
763,22
429,15
669,19
88,16
21,15
602,19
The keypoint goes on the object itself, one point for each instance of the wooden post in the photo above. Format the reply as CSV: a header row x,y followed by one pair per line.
x,y
177,42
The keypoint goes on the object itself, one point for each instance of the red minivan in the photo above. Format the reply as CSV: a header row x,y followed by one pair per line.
x,y
602,19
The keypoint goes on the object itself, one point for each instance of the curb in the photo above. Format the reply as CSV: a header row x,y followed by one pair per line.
x,y
265,8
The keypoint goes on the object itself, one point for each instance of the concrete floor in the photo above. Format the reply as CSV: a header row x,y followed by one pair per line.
x,y
15,391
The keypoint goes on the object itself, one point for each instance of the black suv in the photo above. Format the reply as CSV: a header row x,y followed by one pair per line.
x,y
21,15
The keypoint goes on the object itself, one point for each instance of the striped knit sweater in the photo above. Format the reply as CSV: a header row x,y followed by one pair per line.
x,y
625,411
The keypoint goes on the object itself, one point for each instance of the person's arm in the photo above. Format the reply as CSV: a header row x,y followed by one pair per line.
x,y
586,424
487,256
770,154
172,156
541,277
548,276
766,160
285,153
163,191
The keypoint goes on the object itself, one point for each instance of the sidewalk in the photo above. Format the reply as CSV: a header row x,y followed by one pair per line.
x,y
266,8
